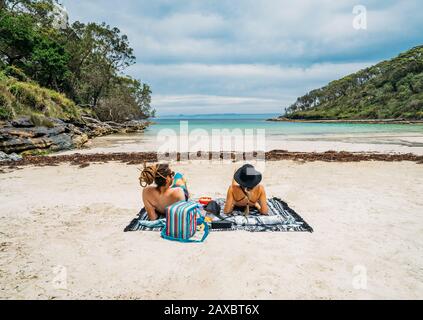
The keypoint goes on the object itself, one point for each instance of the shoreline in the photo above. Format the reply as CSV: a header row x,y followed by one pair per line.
x,y
134,158
352,121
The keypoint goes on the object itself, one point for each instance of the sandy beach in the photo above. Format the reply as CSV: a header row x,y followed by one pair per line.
x,y
62,236
409,142
99,100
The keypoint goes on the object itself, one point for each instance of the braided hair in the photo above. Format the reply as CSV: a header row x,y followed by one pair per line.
x,y
156,173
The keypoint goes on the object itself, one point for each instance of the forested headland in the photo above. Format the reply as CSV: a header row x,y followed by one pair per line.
x,y
55,72
388,90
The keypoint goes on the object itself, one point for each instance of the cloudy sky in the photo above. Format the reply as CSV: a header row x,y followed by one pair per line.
x,y
245,56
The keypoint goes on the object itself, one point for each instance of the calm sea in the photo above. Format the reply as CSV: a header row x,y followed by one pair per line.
x,y
307,137
258,121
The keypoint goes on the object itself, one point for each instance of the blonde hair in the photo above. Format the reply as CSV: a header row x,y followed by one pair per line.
x,y
155,173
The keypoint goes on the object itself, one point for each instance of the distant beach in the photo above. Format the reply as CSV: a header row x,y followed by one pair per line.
x,y
356,121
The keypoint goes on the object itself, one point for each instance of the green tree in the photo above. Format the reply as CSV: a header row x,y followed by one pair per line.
x,y
390,89
128,99
17,38
98,54
84,61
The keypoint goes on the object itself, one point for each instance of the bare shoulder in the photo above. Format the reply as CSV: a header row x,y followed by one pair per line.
x,y
149,190
260,188
178,193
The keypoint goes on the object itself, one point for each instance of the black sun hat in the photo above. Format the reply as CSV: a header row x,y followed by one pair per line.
x,y
247,176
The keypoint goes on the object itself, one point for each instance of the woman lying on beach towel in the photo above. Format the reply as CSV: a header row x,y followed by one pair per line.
x,y
246,191
170,187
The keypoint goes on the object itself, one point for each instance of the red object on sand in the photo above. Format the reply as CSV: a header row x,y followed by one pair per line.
x,y
204,200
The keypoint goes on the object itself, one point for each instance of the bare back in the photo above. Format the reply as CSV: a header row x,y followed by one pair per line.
x,y
237,197
156,200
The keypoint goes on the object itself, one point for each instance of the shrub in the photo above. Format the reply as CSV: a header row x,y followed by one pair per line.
x,y
17,73
26,98
41,120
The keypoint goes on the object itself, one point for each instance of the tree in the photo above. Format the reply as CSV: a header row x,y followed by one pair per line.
x,y
98,54
26,44
17,37
84,61
390,89
48,64
128,99
41,10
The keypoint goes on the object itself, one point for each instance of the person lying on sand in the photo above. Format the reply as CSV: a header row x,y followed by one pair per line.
x,y
246,191
170,187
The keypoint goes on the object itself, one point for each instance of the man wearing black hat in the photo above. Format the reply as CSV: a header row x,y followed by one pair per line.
x,y
246,191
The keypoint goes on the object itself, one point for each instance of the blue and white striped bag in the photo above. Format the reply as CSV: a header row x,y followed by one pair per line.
x,y
182,220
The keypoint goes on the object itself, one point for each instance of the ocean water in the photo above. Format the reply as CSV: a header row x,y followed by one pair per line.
x,y
166,136
258,121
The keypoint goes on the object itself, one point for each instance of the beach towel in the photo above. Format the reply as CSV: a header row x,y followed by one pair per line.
x,y
179,181
281,218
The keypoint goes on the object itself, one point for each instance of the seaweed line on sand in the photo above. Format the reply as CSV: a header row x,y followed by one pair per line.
x,y
134,158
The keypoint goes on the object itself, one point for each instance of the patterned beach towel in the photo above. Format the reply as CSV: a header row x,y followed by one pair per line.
x,y
280,218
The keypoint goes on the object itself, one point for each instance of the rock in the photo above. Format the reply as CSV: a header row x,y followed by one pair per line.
x,y
3,156
35,132
80,140
61,142
21,135
134,126
15,157
23,144
24,122
114,124
56,121
73,129
56,130
9,157
19,139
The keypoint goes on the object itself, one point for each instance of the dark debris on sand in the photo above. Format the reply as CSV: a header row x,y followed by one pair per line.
x,y
136,158
341,156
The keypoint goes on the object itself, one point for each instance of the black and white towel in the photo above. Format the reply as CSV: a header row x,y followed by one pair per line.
x,y
280,218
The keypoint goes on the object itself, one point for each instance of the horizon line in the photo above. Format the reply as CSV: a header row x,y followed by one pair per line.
x,y
214,114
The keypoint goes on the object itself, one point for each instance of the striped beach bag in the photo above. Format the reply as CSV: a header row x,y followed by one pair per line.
x,y
182,219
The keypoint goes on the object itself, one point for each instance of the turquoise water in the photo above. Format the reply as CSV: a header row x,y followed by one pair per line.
x,y
258,121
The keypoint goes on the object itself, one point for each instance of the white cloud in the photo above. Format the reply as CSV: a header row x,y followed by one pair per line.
x,y
203,104
261,88
274,50
272,72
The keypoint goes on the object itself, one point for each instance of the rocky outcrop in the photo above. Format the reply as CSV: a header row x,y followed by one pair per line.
x,y
4,157
21,135
99,128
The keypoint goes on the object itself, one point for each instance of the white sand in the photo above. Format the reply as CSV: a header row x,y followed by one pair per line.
x,y
61,236
411,142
